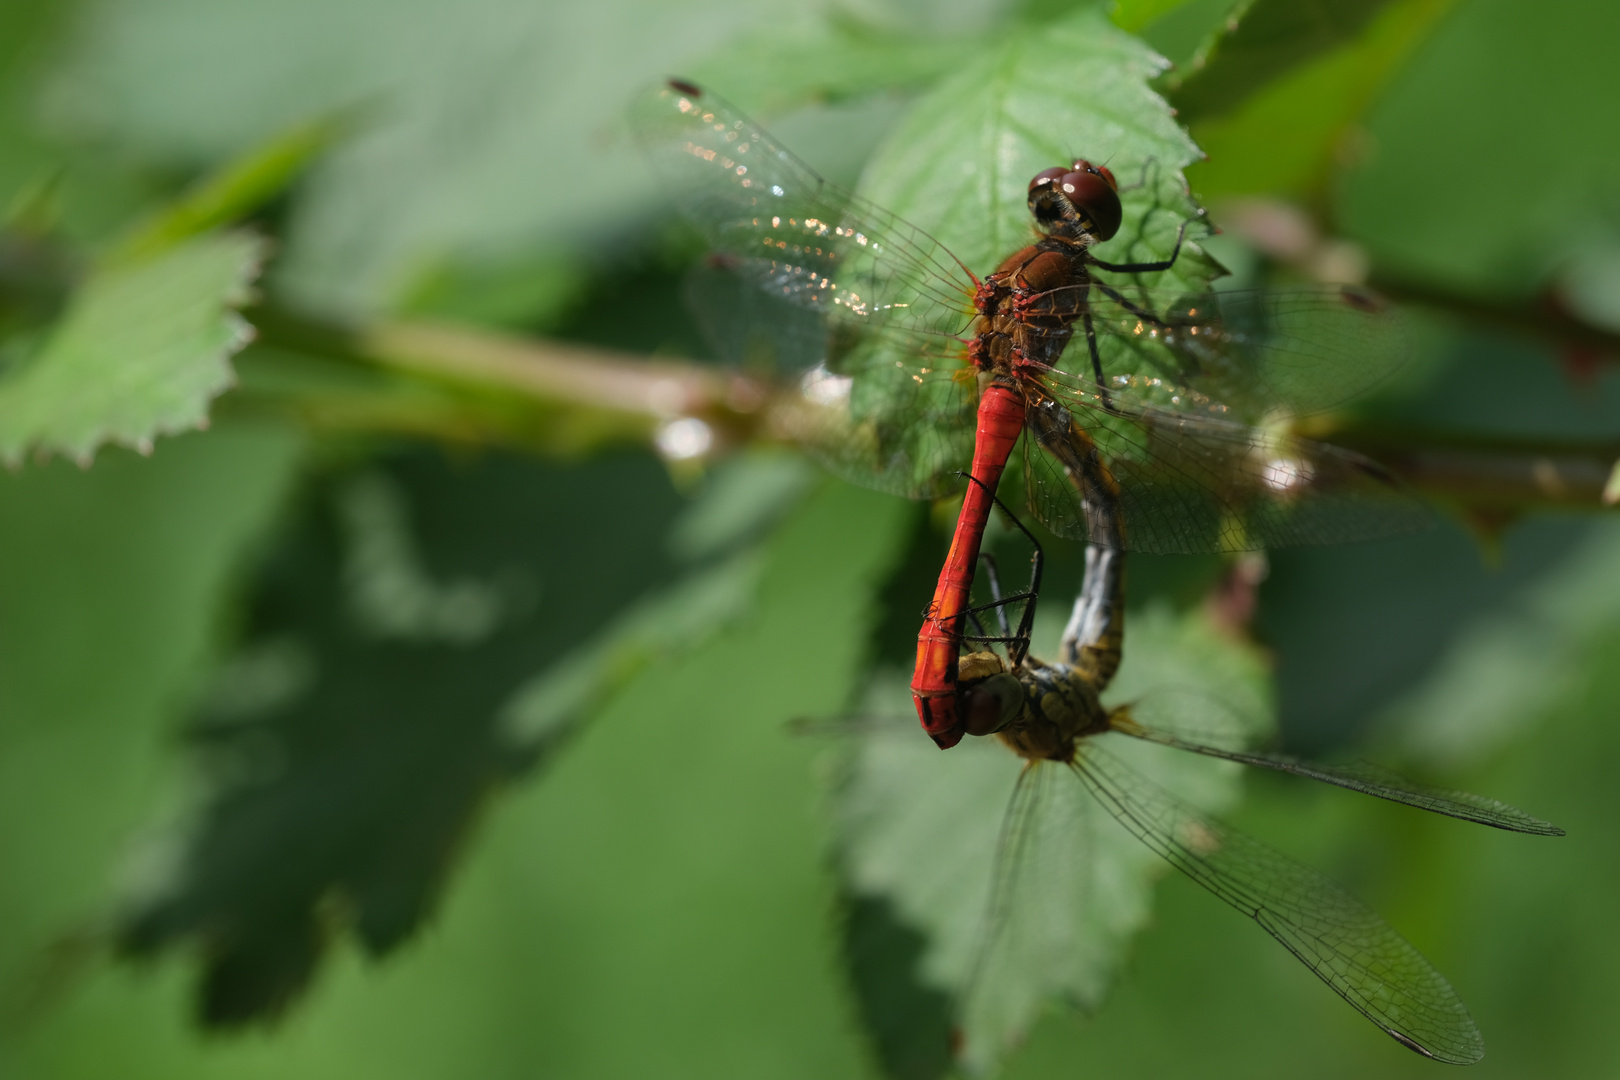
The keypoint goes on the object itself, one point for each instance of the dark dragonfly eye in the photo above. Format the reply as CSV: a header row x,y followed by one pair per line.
x,y
1083,192
1093,192
1045,178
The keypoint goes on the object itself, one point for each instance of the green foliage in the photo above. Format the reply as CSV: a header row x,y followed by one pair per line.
x,y
1260,40
114,584
1290,133
395,706
1528,236
237,189
388,655
141,351
959,164
771,70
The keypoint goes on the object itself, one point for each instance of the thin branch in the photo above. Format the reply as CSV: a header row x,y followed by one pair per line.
x,y
570,382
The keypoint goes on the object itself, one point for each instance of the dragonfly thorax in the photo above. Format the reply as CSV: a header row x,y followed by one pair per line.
x,y
1028,305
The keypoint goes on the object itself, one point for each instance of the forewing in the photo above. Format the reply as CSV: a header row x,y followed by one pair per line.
x,y
1253,355
1188,483
905,429
774,222
861,312
1345,943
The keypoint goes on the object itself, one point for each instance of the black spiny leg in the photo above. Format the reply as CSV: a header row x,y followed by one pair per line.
x,y
1017,641
1147,267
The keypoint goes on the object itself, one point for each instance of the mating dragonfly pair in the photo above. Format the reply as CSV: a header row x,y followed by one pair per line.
x,y
1168,432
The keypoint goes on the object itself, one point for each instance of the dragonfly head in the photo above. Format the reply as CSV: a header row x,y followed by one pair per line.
x,y
1082,194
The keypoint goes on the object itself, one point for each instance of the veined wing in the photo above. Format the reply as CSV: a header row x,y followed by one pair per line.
x,y
1040,936
1367,778
862,307
1188,482
1253,354
995,1004
776,223
1338,937
875,412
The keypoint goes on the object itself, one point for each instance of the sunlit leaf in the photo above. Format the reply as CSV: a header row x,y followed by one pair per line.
x,y
488,128
141,351
960,163
769,71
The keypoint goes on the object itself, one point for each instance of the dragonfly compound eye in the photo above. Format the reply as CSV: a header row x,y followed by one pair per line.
x,y
1046,200
1092,192
1082,165
992,704
1045,178
1082,194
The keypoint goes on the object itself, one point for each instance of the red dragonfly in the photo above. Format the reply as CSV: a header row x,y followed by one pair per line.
x,y
1167,432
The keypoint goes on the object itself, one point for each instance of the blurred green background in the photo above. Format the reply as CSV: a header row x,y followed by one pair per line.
x,y
377,703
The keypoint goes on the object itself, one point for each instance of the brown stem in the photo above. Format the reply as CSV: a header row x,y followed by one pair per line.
x,y
1495,474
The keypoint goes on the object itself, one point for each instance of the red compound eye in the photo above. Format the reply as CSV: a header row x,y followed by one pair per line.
x,y
1092,191
1046,177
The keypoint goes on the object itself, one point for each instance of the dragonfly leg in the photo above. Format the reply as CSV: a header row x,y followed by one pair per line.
x,y
1147,267
1018,641
990,572
1150,317
1096,360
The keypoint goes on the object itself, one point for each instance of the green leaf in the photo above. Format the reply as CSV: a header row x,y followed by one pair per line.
x,y
231,192
1133,15
833,60
140,352
1288,136
358,732
1423,195
113,584
490,128
959,165
1259,41
918,831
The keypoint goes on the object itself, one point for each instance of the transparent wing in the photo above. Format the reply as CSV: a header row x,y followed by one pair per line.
x,y
1033,944
1364,777
1339,938
1187,483
817,285
1244,354
901,426
773,221
996,1005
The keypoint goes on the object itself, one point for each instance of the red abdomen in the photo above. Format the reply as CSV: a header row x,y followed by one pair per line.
x,y
933,683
